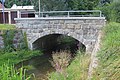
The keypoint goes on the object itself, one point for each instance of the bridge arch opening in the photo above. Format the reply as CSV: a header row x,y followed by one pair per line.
x,y
57,42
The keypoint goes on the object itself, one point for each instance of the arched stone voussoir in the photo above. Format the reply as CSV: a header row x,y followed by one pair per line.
x,y
71,34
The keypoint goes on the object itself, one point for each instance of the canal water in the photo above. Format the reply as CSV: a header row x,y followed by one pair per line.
x,y
39,66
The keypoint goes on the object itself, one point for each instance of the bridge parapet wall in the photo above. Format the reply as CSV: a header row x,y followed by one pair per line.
x,y
84,29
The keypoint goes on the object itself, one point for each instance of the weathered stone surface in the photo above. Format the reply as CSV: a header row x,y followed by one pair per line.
x,y
83,29
17,40
1,40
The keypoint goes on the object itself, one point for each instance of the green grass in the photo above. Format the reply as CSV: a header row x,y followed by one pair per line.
x,y
18,56
7,70
77,70
6,26
10,73
109,55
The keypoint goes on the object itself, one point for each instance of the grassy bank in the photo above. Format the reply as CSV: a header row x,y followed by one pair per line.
x,y
17,56
7,61
109,55
77,70
6,26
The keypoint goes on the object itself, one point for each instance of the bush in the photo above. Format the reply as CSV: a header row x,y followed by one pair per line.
x,y
8,36
61,60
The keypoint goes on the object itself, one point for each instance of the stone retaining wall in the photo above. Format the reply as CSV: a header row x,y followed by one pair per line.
x,y
18,39
1,40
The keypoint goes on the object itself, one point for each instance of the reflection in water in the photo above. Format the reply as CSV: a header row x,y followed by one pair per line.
x,y
39,65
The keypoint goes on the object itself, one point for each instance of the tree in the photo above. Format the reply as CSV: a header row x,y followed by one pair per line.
x,y
49,5
54,5
115,11
81,4
9,3
111,10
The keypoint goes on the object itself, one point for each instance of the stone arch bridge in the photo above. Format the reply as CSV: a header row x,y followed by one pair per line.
x,y
83,29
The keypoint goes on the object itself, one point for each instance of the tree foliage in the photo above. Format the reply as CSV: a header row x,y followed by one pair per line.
x,y
53,5
9,3
84,4
115,13
111,10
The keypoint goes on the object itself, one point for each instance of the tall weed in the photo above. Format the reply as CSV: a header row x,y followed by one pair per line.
x,y
8,72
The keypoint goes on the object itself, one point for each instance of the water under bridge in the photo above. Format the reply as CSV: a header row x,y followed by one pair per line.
x,y
84,28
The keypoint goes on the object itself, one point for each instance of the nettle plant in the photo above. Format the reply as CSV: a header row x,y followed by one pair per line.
x,y
61,61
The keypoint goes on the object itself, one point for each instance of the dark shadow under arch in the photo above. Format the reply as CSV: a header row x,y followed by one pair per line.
x,y
57,42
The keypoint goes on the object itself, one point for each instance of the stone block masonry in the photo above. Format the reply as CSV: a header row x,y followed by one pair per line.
x,y
1,40
83,29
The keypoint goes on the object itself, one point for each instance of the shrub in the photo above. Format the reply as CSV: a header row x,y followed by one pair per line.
x,y
61,60
77,70
8,36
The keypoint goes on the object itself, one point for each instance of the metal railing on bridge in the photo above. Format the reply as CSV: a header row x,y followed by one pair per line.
x,y
82,13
